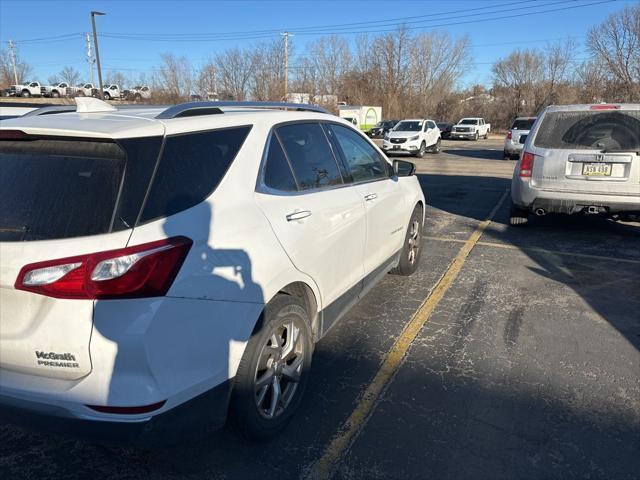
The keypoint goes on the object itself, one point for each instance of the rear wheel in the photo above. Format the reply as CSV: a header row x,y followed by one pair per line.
x,y
412,248
518,216
273,372
486,135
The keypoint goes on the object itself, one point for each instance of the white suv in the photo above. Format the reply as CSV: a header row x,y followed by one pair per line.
x,y
413,137
162,266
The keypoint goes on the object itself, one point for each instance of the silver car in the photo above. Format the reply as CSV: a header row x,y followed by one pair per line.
x,y
580,159
516,136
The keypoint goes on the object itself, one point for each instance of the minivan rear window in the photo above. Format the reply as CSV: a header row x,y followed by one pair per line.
x,y
590,130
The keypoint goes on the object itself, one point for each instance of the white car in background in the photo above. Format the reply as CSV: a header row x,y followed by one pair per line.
x,y
163,266
516,136
413,137
472,128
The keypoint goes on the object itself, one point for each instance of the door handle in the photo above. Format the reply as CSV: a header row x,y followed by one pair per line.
x,y
371,196
298,215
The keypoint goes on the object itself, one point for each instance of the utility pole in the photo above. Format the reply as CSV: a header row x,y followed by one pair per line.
x,y
95,43
286,36
12,54
90,59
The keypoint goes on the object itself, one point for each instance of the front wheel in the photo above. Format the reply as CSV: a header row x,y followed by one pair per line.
x,y
273,372
476,137
412,248
436,147
26,93
106,96
422,150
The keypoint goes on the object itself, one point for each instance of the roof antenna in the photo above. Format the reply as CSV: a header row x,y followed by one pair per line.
x,y
91,105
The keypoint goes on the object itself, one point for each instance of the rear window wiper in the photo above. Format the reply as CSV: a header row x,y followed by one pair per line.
x,y
24,229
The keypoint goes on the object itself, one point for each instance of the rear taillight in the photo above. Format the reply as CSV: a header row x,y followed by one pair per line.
x,y
509,135
526,165
146,270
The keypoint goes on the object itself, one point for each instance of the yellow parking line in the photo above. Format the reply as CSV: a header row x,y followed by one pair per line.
x,y
507,246
325,466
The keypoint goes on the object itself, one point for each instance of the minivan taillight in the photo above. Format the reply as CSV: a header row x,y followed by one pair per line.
x,y
146,270
509,135
526,165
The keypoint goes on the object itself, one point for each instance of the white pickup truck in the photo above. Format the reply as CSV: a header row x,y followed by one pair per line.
x,y
55,91
139,92
30,89
112,92
471,128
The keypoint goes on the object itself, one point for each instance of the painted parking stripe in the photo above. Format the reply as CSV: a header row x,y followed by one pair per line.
x,y
537,250
326,465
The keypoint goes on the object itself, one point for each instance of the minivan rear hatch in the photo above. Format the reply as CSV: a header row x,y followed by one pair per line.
x,y
61,197
593,150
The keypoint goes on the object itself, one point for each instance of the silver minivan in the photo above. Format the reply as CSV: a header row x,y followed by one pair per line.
x,y
579,159
516,136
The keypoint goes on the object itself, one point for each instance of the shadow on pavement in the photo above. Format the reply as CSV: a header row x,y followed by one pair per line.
x,y
479,153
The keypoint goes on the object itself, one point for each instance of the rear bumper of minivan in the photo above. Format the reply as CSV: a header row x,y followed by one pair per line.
x,y
534,199
184,423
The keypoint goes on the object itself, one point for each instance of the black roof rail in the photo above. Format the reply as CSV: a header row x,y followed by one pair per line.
x,y
191,109
50,110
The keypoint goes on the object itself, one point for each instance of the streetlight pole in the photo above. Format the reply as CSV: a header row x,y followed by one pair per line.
x,y
95,44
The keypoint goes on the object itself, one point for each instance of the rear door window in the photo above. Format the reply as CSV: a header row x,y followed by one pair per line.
x,y
590,130
190,169
363,161
58,188
310,155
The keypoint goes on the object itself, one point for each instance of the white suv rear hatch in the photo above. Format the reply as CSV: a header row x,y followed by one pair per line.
x,y
58,200
588,150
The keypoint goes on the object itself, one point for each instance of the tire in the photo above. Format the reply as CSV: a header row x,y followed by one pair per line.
x,y
137,97
486,135
518,217
423,149
106,96
251,410
25,93
55,95
476,137
80,93
412,248
435,148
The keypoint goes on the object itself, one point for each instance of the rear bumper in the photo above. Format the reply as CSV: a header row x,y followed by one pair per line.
x,y
512,148
186,422
526,197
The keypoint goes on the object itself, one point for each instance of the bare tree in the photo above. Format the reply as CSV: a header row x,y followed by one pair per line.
x,y
235,67
174,77
70,75
113,77
616,43
331,59
267,73
23,70
207,84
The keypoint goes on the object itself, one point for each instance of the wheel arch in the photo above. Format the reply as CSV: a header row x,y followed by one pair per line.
x,y
305,293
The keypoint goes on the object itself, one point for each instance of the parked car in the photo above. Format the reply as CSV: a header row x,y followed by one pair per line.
x,y
445,129
381,128
60,89
137,93
413,137
30,89
580,159
516,136
471,129
134,301
112,92
85,90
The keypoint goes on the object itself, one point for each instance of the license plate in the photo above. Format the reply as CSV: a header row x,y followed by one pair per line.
x,y
396,147
596,169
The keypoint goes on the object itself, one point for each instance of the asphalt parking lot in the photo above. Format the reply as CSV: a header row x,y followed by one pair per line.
x,y
528,365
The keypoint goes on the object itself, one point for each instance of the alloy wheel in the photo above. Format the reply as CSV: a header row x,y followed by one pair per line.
x,y
413,241
279,369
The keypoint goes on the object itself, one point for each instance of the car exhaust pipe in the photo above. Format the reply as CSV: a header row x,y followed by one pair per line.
x,y
593,210
541,212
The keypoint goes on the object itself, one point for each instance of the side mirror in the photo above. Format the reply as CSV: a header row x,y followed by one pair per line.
x,y
403,168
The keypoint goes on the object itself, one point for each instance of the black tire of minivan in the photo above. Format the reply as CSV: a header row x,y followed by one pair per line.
x,y
412,240
245,414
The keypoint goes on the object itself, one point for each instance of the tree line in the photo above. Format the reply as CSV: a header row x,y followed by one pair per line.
x,y
408,74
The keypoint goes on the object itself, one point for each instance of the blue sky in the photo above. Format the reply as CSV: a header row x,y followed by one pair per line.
x,y
22,20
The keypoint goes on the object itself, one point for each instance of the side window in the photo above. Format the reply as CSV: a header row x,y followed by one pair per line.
x,y
277,172
310,155
190,169
363,161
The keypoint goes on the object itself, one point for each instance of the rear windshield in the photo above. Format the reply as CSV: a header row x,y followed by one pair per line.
x,y
53,188
523,124
408,127
590,130
56,188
